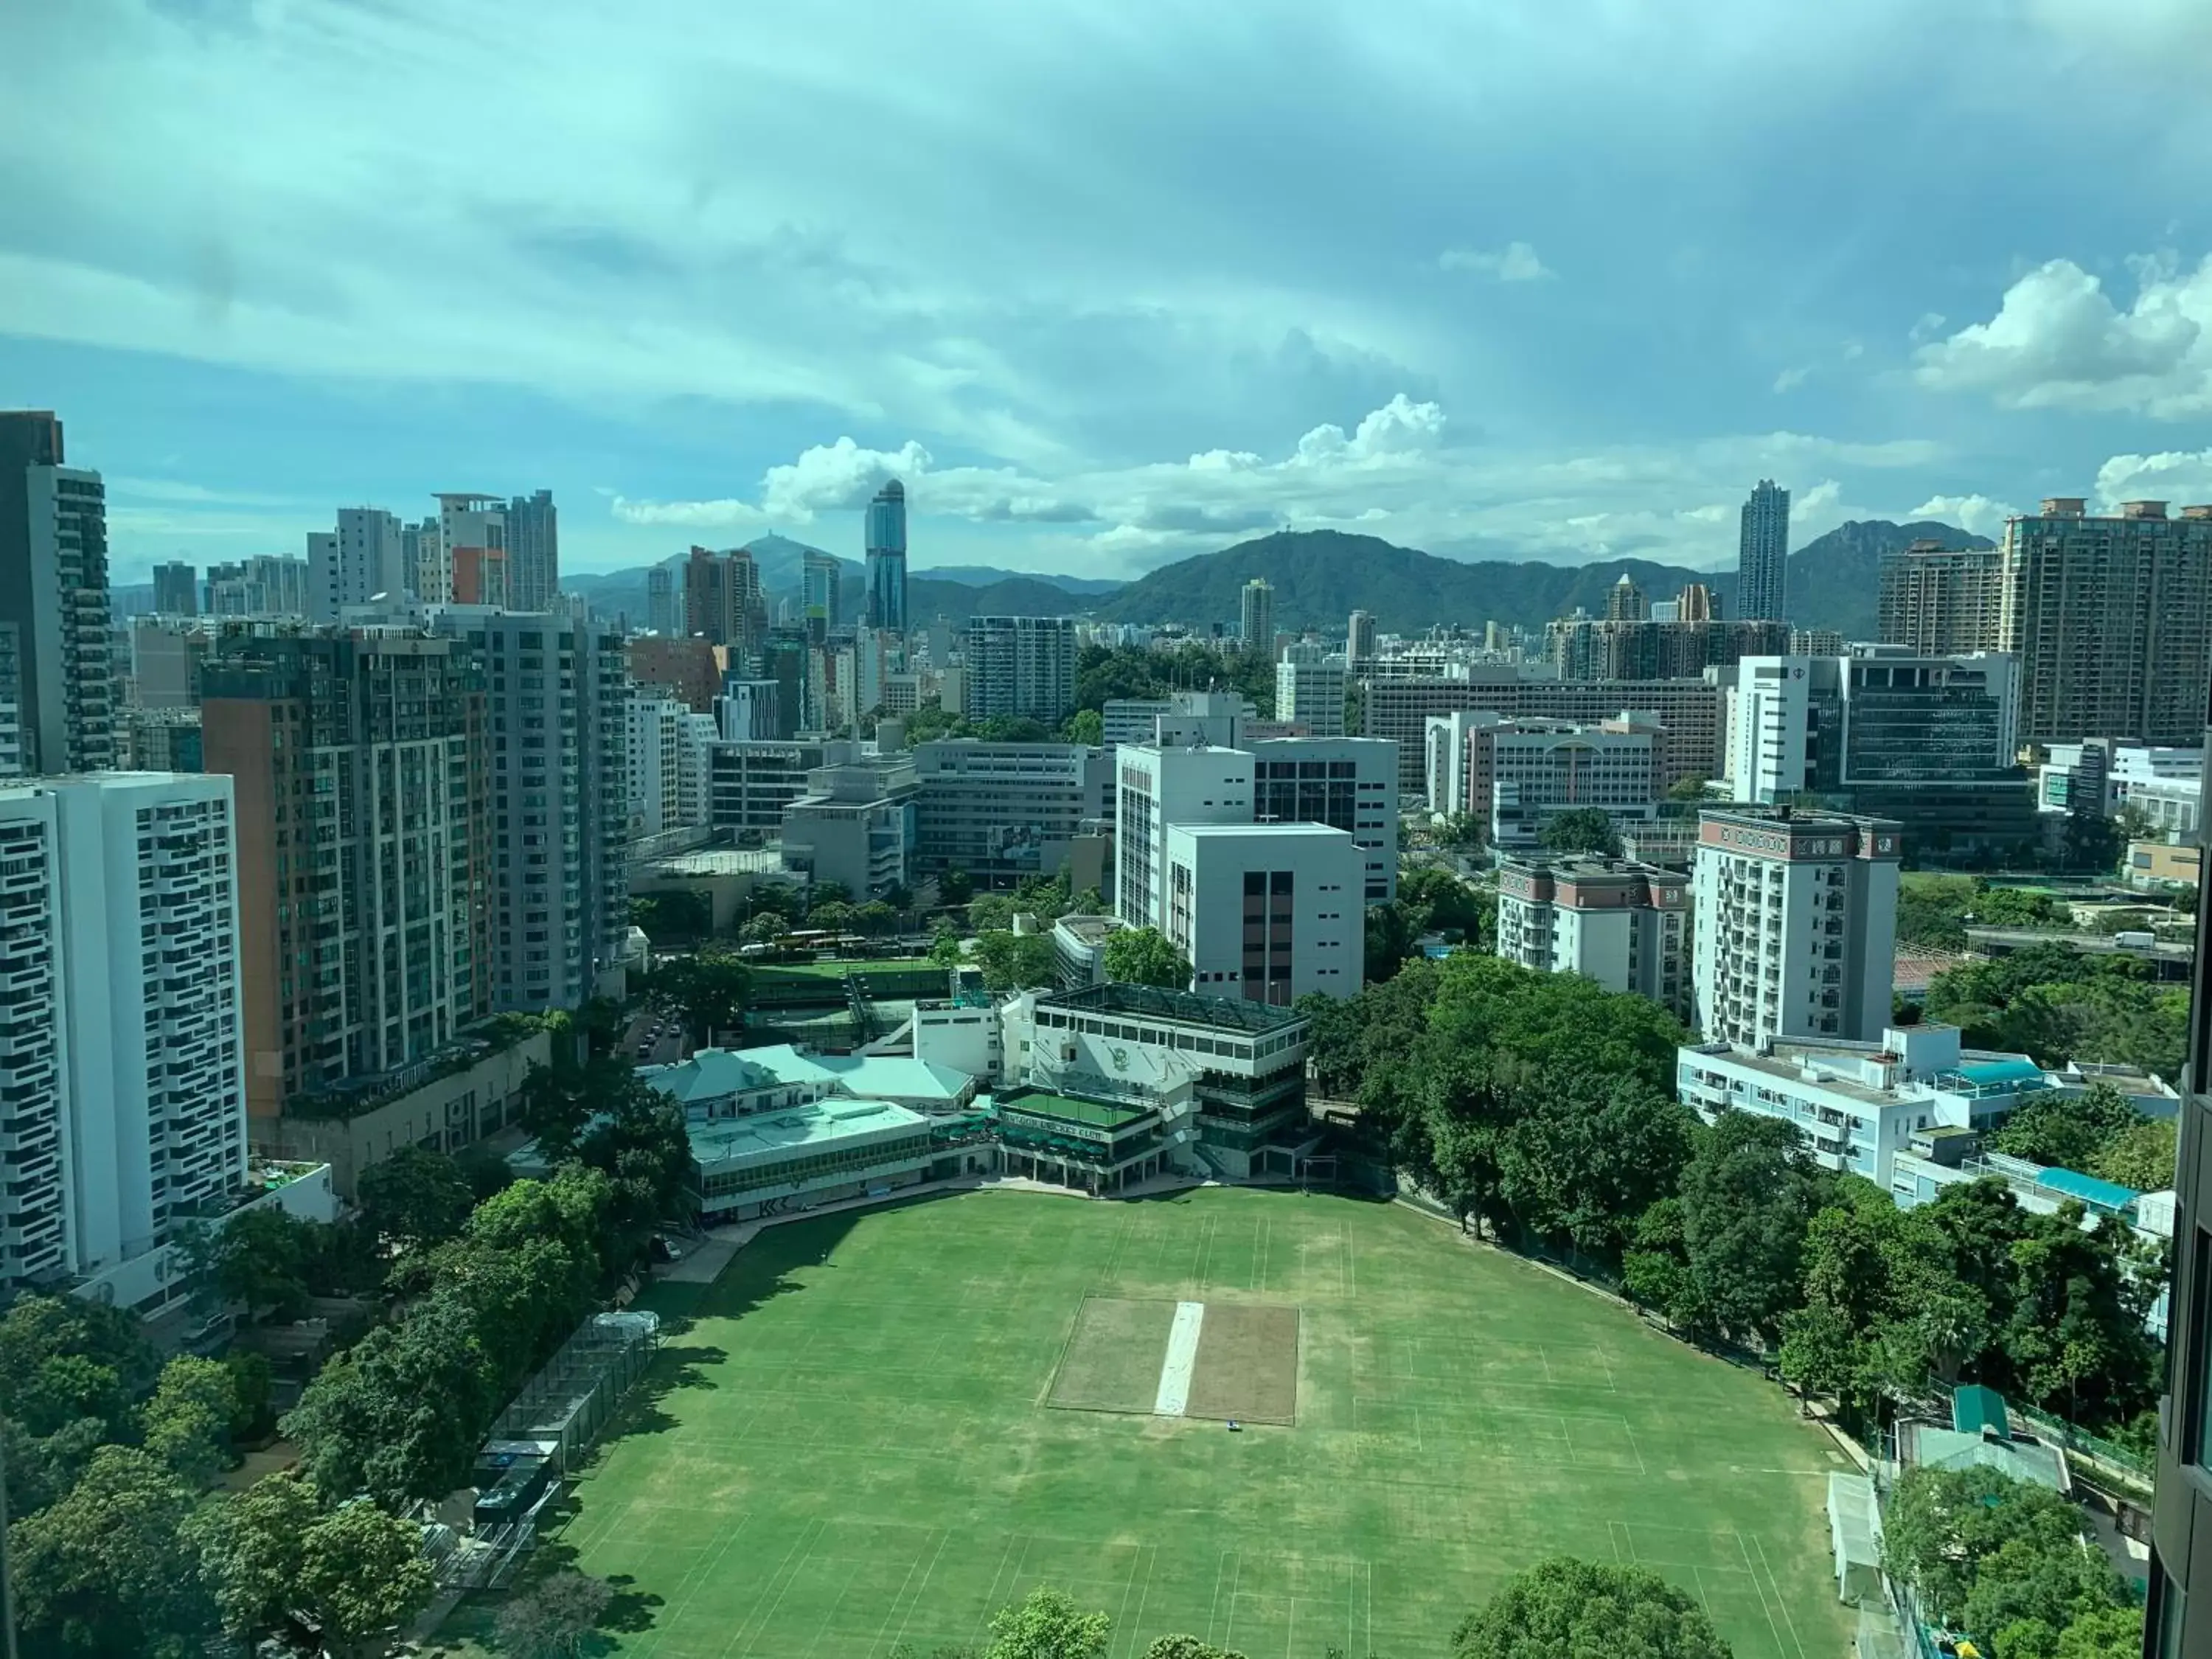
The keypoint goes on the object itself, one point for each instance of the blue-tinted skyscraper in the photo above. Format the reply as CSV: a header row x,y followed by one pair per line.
x,y
1762,555
886,606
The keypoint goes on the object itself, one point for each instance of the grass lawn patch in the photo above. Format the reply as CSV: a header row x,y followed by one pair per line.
x,y
1113,1360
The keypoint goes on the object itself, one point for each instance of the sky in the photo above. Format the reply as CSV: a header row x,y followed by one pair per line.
x,y
1109,282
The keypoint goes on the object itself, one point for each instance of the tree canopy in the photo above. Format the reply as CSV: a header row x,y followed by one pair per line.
x,y
1144,956
1566,1607
1581,830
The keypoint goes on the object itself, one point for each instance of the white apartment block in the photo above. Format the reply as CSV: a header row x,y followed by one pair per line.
x,y
1309,689
1796,924
1158,787
1444,746
1267,911
1517,774
1626,925
1858,1104
999,809
121,1025
363,559
853,826
1181,717
653,759
1021,667
696,736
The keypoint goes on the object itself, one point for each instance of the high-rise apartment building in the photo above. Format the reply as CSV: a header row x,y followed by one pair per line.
x,y
664,601
654,755
363,560
533,552
2178,1622
1256,621
1625,602
1695,603
1360,639
1310,687
1796,924
11,702
125,1115
1021,667
2111,620
176,590
722,598
1762,555
556,691
886,537
1583,648
359,763
266,584
1942,601
53,591
1626,925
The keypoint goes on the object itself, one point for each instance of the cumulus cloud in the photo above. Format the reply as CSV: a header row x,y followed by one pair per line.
x,y
2057,341
1791,379
1401,427
726,514
2182,476
1818,500
1979,513
1517,262
836,478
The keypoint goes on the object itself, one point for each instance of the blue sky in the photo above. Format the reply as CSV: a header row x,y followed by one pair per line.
x,y
1112,282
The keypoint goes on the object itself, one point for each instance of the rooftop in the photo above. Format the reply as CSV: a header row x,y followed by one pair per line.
x,y
1241,831
712,1073
729,1143
1151,1001
1094,1112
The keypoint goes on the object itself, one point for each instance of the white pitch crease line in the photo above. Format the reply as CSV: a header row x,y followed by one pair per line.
x,y
1173,1396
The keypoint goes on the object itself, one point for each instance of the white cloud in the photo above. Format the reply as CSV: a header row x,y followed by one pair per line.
x,y
1517,262
1979,513
727,513
2183,477
836,478
1791,379
2059,341
1401,427
1817,501
1929,324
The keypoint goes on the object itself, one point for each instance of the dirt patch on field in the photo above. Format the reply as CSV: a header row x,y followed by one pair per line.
x,y
1248,1364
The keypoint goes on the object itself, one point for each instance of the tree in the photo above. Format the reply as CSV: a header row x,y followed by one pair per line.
x,y
1464,832
2142,1157
1687,789
1393,930
832,916
1144,955
1655,1270
955,887
1586,1156
1049,1625
108,1570
1454,906
993,913
1566,1607
764,928
555,1618
876,918
1186,1647
1747,1195
1015,962
1581,830
1987,1552
945,949
273,1551
2067,1132
415,1196
187,1423
260,1258
1086,726
707,992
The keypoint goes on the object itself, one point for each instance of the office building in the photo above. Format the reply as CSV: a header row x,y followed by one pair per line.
x,y
1346,783
1018,667
750,782
1625,602
2177,1621
654,755
1796,924
2111,620
1159,786
1942,601
1256,620
1267,911
480,577
1359,640
125,1111
1002,811
358,764
1696,603
821,578
1636,649
853,827
1815,643
1311,687
1514,776
751,711
885,606
1762,555
557,887
1626,925
533,552
1881,714
157,740
1689,712
1220,718
361,561
53,593
176,590
266,584
664,602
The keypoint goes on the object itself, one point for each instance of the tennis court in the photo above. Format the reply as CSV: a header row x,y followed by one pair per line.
x,y
864,1436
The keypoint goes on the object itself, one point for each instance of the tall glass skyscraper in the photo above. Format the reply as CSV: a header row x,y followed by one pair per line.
x,y
886,542
1762,555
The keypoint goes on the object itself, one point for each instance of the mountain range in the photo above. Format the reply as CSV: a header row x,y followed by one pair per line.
x,y
1321,576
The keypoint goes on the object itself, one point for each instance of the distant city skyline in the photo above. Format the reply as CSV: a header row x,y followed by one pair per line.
x,y
1091,343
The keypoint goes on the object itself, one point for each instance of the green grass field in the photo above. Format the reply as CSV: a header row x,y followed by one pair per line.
x,y
852,1443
